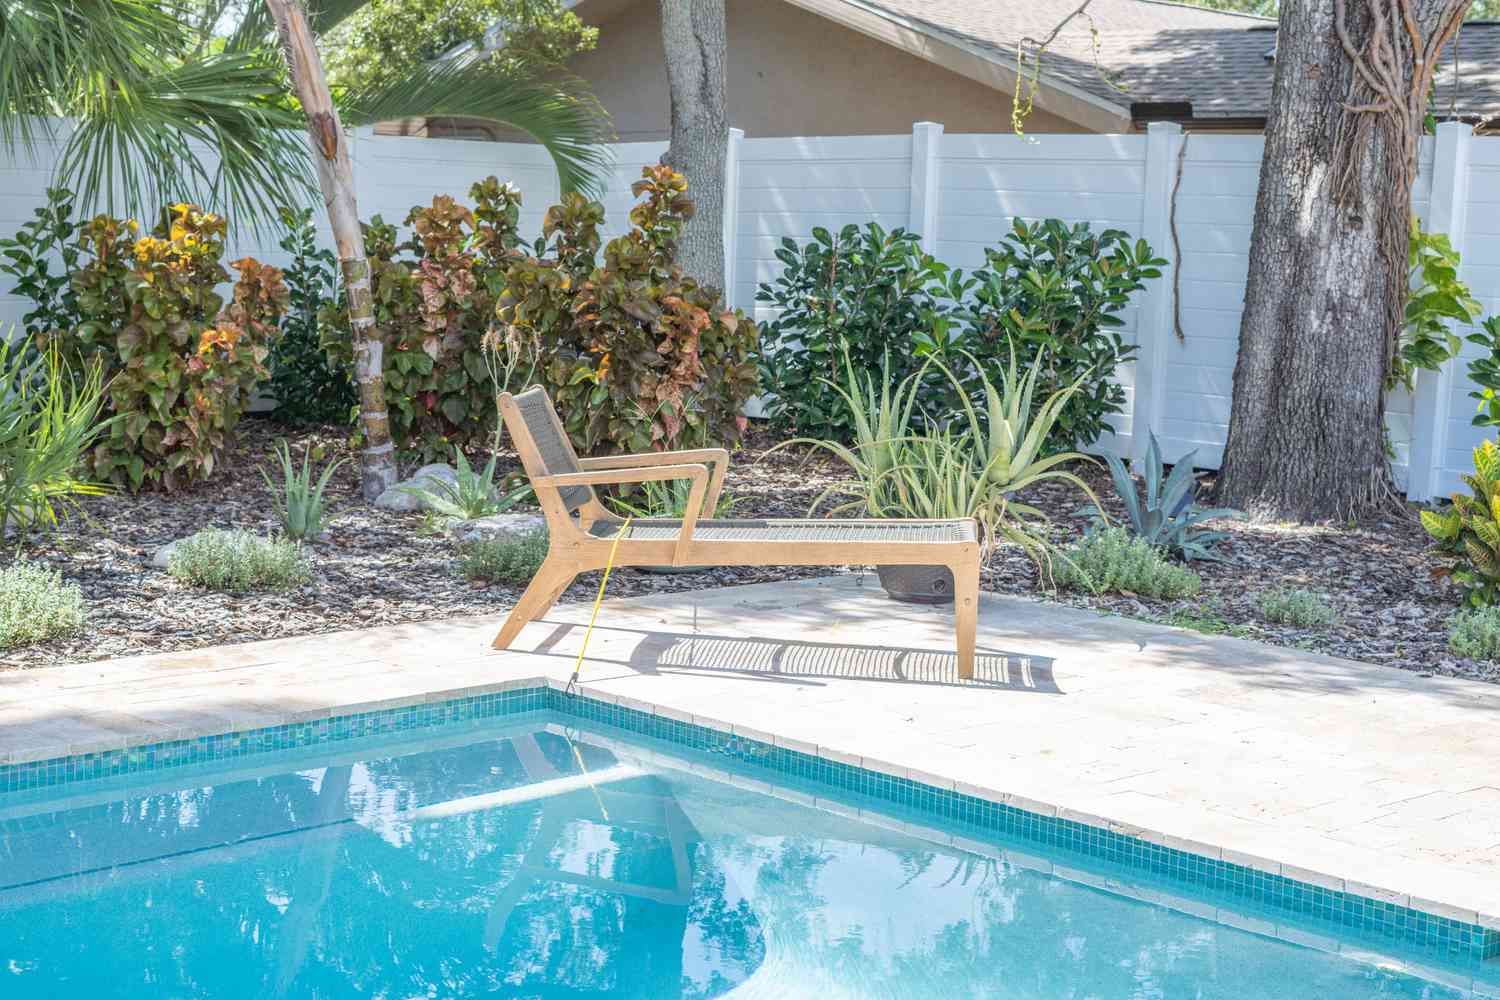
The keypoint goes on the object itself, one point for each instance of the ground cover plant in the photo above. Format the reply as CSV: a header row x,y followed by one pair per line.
x,y
236,561
1475,633
512,559
1295,606
1112,559
36,604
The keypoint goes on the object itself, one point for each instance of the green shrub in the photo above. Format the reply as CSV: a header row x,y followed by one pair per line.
x,y
636,355
1475,633
35,604
1468,532
1294,606
1111,559
309,386
513,559
29,257
434,304
180,362
865,291
1054,288
238,561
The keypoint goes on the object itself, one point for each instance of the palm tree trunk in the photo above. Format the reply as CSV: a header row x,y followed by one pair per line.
x,y
336,178
693,36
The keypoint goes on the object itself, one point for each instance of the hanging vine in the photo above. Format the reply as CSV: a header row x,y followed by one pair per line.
x,y
1029,66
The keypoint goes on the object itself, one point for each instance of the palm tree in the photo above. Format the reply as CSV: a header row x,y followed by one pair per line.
x,y
162,106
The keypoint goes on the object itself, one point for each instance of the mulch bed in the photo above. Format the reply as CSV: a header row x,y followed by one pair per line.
x,y
380,568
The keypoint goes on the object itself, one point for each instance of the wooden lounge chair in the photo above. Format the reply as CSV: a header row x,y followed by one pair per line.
x,y
583,531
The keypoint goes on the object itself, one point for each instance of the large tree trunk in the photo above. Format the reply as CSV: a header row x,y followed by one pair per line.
x,y
693,35
336,178
1328,256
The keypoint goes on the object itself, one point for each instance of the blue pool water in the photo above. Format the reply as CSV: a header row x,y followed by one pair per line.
x,y
530,860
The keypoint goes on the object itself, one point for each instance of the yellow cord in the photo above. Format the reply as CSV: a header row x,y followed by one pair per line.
x,y
608,565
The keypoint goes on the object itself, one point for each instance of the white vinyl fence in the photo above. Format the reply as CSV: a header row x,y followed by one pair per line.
x,y
961,192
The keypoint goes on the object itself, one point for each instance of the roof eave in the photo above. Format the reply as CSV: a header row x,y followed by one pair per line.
x,y
968,59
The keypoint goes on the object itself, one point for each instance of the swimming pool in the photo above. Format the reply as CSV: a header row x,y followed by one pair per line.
x,y
535,856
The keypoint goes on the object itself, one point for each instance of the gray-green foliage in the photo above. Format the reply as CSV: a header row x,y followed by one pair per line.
x,y
36,604
237,561
49,418
299,500
1475,633
1295,606
1112,559
1167,516
511,559
471,494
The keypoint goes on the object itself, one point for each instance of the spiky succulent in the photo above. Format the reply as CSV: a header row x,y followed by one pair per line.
x,y
1168,515
1469,530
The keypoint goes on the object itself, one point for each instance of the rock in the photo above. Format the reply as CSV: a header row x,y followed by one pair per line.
x,y
162,556
497,526
427,477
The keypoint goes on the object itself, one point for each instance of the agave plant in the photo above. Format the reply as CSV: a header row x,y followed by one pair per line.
x,y
1469,531
470,495
1168,516
969,467
299,500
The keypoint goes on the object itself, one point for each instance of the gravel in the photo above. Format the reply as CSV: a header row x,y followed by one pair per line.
x,y
377,567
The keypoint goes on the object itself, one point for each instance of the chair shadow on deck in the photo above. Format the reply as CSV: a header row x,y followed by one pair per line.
x,y
661,651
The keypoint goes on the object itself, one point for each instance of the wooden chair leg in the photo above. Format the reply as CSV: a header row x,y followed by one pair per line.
x,y
544,590
966,615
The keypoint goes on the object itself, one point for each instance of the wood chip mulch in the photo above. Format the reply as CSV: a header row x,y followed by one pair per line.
x,y
379,568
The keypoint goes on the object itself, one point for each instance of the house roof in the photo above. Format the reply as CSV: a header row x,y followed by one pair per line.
x,y
1156,52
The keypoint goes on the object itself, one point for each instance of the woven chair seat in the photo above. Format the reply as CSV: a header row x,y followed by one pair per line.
x,y
790,530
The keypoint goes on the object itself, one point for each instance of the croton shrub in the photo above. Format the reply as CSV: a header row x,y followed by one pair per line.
x,y
434,301
636,355
181,362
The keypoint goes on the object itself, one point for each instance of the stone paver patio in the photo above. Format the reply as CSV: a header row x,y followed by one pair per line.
x,y
1333,772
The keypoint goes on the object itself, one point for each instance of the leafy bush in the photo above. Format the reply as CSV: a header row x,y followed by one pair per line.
x,y
865,291
1437,298
471,494
238,561
49,419
1294,606
179,361
309,387
1468,532
299,500
636,355
434,307
513,560
1167,516
1112,559
1475,633
35,605
1056,291
29,256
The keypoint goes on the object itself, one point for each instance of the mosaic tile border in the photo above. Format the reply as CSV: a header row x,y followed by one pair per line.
x,y
925,795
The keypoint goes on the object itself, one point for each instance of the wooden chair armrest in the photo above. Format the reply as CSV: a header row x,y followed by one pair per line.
x,y
645,474
718,457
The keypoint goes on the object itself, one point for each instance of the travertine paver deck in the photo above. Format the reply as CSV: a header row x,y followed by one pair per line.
x,y
1325,769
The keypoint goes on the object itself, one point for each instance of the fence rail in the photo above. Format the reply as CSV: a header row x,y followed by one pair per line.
x,y
960,193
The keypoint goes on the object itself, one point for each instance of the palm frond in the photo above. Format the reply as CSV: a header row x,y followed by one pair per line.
x,y
559,113
212,131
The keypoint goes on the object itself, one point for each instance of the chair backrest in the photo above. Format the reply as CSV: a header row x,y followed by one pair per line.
x,y
553,448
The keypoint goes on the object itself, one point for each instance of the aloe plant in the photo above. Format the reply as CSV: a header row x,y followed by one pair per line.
x,y
470,495
1167,516
299,500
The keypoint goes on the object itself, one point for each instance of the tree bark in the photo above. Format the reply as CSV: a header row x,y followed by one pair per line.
x,y
693,35
330,150
1328,256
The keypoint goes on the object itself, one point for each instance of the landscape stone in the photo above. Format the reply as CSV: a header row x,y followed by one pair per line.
x,y
397,499
497,526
